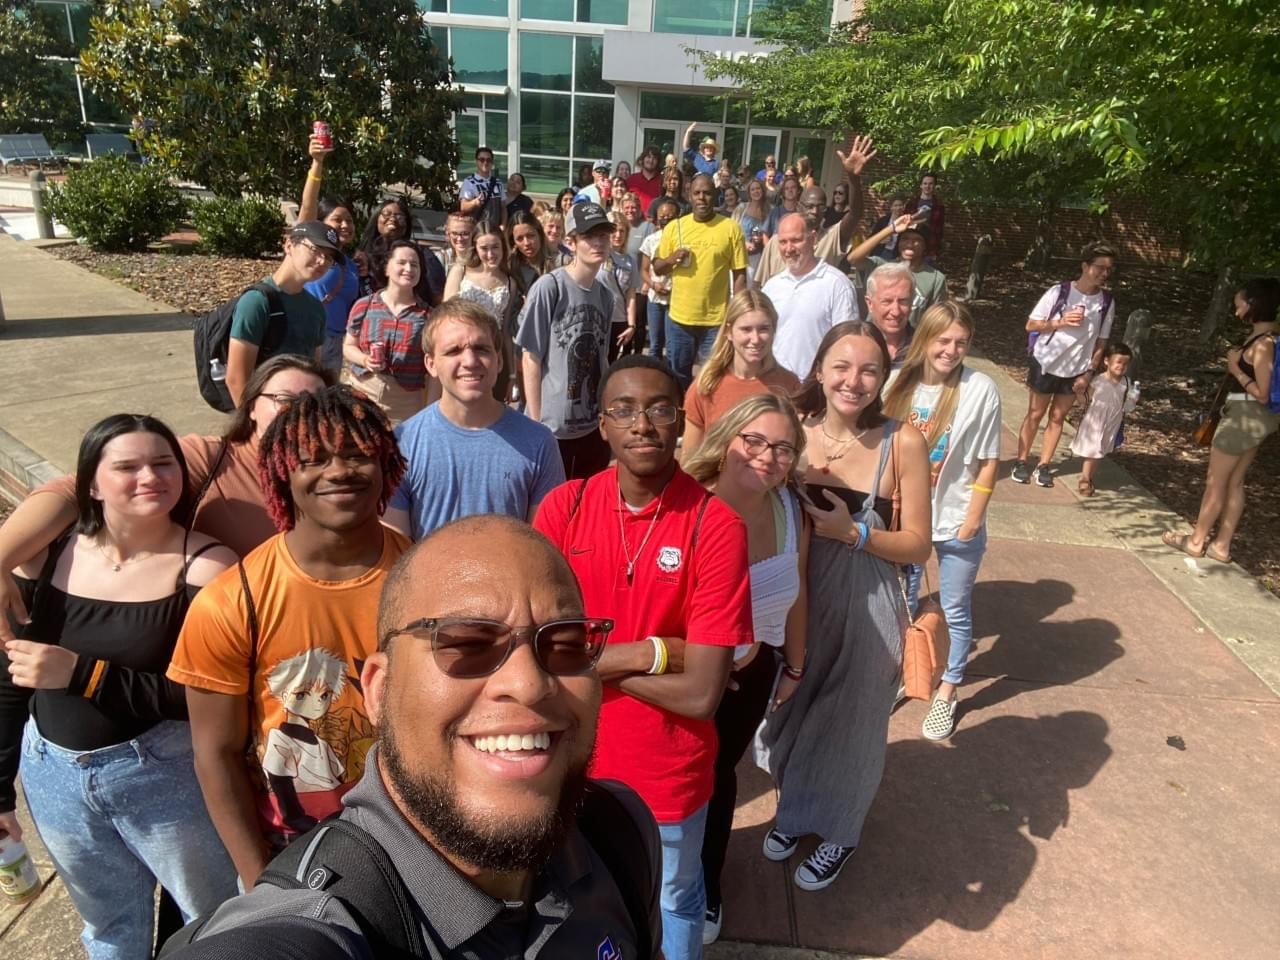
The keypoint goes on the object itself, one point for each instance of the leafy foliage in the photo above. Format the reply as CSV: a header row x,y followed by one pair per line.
x,y
234,86
1175,101
116,204
33,94
237,227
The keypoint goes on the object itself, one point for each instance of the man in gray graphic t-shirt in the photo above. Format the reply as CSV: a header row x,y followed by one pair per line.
x,y
564,333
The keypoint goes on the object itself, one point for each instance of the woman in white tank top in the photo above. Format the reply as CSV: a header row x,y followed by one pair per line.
x,y
747,459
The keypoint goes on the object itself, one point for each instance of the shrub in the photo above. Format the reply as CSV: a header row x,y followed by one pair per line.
x,y
116,204
238,227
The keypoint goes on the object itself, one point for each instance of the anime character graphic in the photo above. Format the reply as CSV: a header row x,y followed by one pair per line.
x,y
305,774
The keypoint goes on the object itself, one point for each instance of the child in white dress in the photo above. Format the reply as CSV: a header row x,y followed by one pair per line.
x,y
1111,396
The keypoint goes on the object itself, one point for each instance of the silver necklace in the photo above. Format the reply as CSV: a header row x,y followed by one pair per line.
x,y
622,531
117,564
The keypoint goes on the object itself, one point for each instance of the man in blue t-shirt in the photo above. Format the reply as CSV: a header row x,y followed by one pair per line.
x,y
704,158
469,453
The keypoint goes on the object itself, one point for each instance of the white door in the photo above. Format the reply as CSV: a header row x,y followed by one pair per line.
x,y
762,143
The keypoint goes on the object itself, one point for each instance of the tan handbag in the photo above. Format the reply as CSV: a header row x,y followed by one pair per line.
x,y
1208,425
925,647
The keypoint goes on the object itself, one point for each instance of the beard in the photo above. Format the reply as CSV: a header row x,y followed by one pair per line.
x,y
507,847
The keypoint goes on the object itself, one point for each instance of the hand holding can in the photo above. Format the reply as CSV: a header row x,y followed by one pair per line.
x,y
377,355
322,134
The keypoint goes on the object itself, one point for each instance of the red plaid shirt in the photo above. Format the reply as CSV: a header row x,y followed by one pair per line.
x,y
371,319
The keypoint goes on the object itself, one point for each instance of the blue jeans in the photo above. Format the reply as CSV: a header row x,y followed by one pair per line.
x,y
684,898
686,346
116,821
958,562
657,317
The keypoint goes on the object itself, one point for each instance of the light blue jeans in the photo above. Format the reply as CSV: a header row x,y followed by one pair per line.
x,y
684,897
657,324
958,562
116,821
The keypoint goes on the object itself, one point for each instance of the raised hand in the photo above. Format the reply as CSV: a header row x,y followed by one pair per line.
x,y
317,150
861,152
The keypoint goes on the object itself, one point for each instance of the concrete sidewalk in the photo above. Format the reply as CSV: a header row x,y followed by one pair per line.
x,y
1109,792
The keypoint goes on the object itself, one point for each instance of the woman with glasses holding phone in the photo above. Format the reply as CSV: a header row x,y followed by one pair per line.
x,y
748,460
741,365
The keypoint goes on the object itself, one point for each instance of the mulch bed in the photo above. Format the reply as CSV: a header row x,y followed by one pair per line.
x,y
1179,373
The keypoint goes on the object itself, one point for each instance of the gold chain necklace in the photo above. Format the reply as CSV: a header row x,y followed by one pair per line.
x,y
622,531
826,450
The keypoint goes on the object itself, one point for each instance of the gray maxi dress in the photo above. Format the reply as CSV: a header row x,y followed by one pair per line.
x,y
825,746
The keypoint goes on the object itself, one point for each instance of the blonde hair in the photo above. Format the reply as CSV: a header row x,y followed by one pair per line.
x,y
464,311
721,360
620,222
897,400
704,464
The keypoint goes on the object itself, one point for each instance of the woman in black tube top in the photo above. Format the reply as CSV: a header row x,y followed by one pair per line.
x,y
826,744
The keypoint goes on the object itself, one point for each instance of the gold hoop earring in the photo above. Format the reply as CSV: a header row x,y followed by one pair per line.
x,y
720,465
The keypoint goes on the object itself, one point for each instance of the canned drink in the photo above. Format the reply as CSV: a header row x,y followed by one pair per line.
x,y
321,131
378,352
18,878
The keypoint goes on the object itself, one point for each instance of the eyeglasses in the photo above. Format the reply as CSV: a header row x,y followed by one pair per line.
x,y
756,445
316,252
280,399
465,648
626,414
392,215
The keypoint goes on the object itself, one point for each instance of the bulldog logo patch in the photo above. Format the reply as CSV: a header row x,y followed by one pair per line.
x,y
669,559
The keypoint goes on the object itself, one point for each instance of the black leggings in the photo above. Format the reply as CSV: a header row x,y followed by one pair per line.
x,y
737,718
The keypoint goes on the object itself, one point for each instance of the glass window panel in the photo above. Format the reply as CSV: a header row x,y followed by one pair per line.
x,y
495,102
593,126
602,11
589,64
80,15
664,138
544,123
762,144
544,176
675,106
546,9
54,18
473,101
480,56
480,8
433,6
734,147
495,128
97,110
813,148
439,38
707,17
735,110
546,61
466,127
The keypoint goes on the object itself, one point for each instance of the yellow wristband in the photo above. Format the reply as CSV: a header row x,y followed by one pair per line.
x,y
312,176
981,489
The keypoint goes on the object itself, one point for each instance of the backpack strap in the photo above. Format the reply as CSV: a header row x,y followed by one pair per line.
x,y
45,580
697,524
577,500
616,837
199,498
340,858
277,321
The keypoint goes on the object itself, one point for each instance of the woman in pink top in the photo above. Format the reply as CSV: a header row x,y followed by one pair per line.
x,y
741,365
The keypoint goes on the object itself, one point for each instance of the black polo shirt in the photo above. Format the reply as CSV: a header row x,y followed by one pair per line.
x,y
575,909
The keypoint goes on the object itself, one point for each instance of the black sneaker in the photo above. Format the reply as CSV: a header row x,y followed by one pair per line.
x,y
1044,476
711,927
779,846
1021,472
822,866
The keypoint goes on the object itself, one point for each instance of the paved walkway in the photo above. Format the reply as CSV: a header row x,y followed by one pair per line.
x,y
1110,791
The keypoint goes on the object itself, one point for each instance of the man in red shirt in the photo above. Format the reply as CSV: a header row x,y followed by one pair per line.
x,y
668,563
646,183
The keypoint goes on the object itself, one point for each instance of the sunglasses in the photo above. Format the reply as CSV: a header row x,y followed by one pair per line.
x,y
465,648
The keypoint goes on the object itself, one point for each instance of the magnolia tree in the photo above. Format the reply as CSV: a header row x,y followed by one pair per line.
x,y
229,90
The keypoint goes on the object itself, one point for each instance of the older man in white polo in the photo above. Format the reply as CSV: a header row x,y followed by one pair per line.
x,y
810,295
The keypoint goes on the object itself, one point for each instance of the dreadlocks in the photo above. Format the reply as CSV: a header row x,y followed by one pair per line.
x,y
328,419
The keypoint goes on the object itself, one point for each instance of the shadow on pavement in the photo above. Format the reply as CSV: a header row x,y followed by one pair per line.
x,y
950,835
1029,647
53,327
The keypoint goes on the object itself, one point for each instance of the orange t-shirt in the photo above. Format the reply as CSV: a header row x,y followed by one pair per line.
x,y
702,410
308,721
233,510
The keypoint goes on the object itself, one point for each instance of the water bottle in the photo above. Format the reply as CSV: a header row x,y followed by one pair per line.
x,y
18,878
217,370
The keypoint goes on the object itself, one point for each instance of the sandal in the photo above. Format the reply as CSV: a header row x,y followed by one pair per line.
x,y
1085,487
1213,554
1180,542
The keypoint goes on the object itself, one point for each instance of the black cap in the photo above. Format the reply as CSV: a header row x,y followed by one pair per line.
x,y
585,217
321,236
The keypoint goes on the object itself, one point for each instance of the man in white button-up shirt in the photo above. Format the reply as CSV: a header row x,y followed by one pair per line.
x,y
811,296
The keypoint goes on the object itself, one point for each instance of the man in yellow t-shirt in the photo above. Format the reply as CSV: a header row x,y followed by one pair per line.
x,y
271,652
702,252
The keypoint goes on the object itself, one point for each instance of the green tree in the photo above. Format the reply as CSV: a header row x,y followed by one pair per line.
x,y
35,96
233,87
1174,101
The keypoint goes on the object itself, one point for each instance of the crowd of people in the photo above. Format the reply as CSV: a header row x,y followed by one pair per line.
x,y
712,537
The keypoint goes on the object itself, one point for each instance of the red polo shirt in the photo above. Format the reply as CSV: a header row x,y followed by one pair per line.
x,y
701,593
645,188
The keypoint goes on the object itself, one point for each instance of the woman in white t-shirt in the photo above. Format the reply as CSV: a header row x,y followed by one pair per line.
x,y
958,411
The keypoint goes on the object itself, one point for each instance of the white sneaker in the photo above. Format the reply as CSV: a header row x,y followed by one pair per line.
x,y
822,866
711,926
